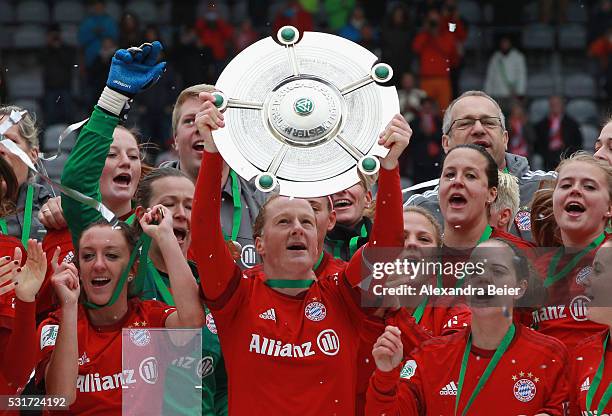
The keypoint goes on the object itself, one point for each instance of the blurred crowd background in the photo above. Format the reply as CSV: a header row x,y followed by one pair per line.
x,y
547,62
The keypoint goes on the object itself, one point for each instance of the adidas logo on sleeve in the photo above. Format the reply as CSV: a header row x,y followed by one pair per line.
x,y
269,314
449,390
586,385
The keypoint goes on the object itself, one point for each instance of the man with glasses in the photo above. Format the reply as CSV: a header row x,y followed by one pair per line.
x,y
476,118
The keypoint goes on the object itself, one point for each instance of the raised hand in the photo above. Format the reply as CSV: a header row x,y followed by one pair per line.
x,y
395,137
388,350
157,222
135,69
30,277
132,70
207,119
8,270
51,214
65,280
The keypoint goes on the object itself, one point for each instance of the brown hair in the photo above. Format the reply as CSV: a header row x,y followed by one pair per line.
x,y
145,187
544,228
434,222
187,93
261,217
129,233
8,198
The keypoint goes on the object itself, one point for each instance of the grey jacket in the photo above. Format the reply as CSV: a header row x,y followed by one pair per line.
x,y
14,222
529,182
251,200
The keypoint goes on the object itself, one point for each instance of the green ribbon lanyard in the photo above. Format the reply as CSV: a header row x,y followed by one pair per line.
x,y
294,284
289,284
130,219
363,233
237,214
595,384
499,352
417,314
162,289
552,276
27,218
353,243
142,249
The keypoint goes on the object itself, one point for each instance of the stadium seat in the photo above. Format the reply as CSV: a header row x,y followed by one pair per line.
x,y
538,109
531,12
25,84
49,143
145,11
469,10
477,38
114,10
29,36
32,12
7,13
470,81
577,12
6,36
579,85
572,36
540,85
29,104
68,11
165,13
538,36
55,167
589,136
70,34
584,111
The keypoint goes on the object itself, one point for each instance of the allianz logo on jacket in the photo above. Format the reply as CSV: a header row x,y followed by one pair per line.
x,y
327,343
92,383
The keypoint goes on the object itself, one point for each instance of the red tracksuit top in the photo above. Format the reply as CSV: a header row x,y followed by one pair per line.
x,y
585,359
530,378
285,354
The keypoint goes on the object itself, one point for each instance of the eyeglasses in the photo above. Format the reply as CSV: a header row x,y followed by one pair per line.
x,y
489,123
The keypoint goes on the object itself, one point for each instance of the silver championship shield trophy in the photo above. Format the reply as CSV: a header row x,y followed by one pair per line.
x,y
301,115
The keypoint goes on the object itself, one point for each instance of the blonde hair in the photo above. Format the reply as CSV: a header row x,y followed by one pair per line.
x,y
586,157
27,125
508,194
434,222
187,93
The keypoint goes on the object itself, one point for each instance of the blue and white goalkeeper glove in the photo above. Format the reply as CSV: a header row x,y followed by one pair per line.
x,y
132,70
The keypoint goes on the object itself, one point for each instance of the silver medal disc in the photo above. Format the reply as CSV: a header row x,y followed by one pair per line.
x,y
302,113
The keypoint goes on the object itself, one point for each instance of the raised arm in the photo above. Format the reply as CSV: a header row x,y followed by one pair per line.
x,y
189,312
62,369
130,72
388,227
386,394
215,263
19,357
